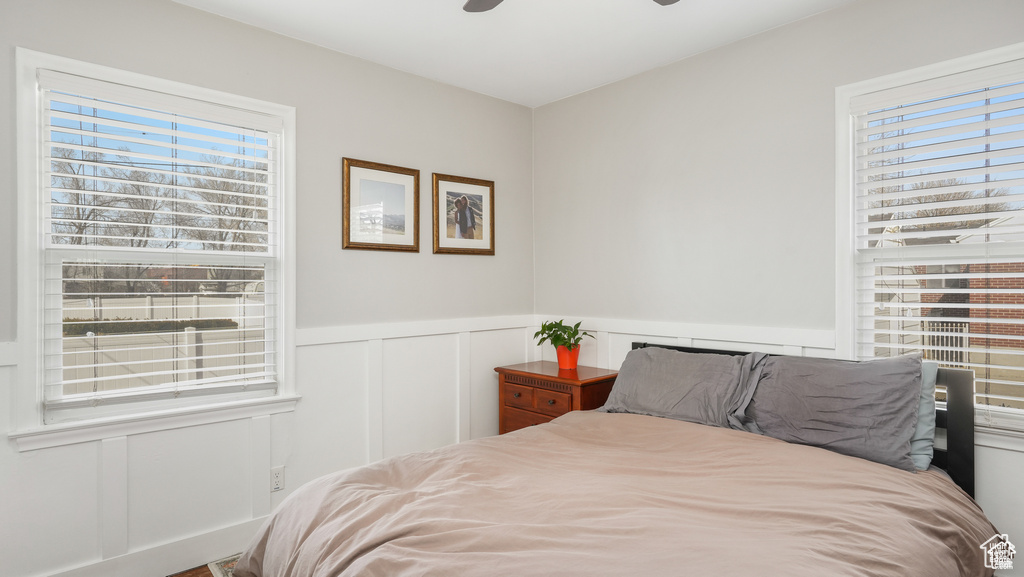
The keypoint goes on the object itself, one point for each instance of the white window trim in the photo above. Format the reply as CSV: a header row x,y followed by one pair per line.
x,y
27,414
993,419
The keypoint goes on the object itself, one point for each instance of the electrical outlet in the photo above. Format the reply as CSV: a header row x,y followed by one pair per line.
x,y
277,479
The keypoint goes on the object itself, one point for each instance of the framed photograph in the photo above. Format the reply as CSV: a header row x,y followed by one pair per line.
x,y
463,215
380,206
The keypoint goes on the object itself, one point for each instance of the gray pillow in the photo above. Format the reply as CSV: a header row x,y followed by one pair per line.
x,y
865,409
700,388
922,444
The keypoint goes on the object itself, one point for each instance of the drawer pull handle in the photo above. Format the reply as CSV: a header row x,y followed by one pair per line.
x,y
516,395
551,401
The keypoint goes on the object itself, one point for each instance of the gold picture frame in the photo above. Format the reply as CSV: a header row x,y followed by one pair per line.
x,y
380,206
463,215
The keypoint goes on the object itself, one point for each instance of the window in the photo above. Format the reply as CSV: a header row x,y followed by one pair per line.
x,y
935,171
160,220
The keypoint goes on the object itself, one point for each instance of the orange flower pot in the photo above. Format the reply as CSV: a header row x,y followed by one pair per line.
x,y
567,360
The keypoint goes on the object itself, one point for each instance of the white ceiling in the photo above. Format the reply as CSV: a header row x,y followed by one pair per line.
x,y
530,52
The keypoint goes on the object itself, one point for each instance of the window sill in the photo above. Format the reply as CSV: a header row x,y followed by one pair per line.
x,y
97,429
999,428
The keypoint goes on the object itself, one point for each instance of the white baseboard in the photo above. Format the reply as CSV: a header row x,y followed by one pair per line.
x,y
170,558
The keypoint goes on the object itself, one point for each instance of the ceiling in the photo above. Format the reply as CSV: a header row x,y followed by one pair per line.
x,y
530,52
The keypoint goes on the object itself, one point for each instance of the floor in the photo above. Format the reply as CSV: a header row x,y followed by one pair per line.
x,y
223,566
201,571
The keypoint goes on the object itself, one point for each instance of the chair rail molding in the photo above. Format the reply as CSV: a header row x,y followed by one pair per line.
x,y
753,335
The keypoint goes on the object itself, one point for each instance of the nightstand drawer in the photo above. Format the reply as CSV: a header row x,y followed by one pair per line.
x,y
518,396
551,403
514,419
536,392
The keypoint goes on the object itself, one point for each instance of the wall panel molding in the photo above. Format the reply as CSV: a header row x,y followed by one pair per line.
x,y
8,354
375,400
465,386
259,460
113,502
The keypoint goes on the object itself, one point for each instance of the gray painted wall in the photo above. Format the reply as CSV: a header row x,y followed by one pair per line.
x,y
346,107
703,191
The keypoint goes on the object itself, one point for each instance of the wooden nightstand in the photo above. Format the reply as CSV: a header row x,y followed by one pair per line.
x,y
535,393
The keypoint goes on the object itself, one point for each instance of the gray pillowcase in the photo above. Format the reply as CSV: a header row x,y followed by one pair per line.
x,y
865,409
922,444
700,388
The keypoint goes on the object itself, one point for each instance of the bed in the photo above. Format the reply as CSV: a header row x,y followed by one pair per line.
x,y
633,492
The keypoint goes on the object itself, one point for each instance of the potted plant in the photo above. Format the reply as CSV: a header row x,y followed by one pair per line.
x,y
565,338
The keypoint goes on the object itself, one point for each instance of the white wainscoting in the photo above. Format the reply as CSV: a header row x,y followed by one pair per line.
x,y
431,383
169,500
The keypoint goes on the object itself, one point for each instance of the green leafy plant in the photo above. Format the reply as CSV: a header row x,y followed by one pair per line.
x,y
561,335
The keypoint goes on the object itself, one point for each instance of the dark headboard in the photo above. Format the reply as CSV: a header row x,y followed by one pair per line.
x,y
957,418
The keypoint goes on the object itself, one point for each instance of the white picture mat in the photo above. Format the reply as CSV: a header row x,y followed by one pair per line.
x,y
408,182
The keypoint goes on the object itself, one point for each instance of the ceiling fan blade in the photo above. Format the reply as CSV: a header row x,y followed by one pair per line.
x,y
482,5
485,5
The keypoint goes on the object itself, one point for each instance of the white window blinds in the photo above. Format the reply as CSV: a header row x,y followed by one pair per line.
x,y
939,225
161,246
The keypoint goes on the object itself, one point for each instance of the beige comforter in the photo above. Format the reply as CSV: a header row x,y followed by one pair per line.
x,y
593,494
